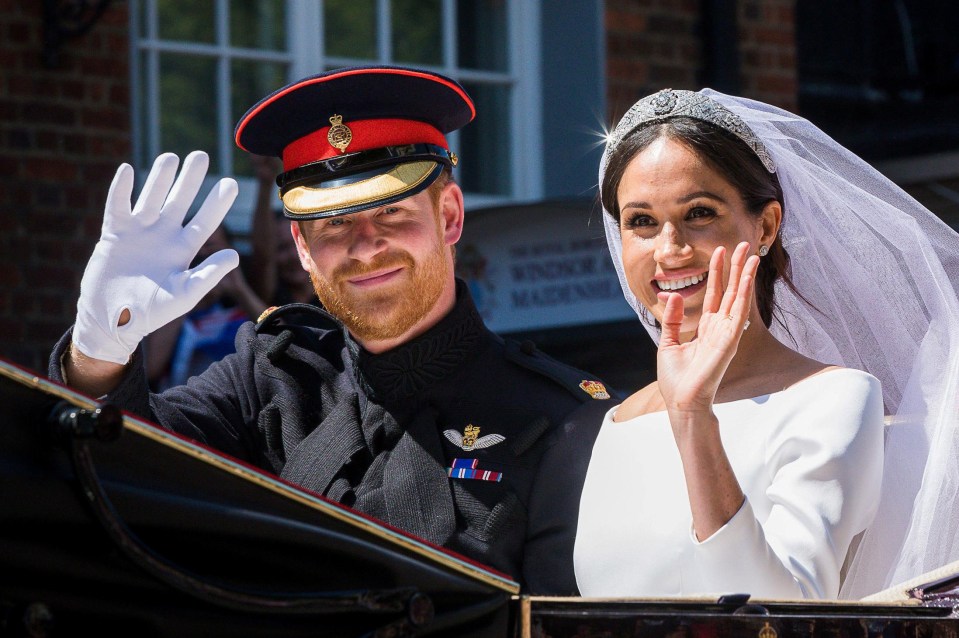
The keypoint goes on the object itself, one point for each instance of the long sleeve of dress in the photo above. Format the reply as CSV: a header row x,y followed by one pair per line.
x,y
809,460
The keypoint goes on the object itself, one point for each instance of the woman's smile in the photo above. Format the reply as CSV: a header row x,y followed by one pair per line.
x,y
681,285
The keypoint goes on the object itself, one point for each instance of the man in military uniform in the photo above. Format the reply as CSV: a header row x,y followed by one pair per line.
x,y
395,400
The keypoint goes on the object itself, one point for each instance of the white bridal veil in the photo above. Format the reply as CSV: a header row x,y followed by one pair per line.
x,y
880,273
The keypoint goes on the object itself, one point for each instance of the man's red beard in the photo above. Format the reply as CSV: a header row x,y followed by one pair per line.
x,y
389,312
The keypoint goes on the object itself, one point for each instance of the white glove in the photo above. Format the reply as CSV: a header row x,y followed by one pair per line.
x,y
142,260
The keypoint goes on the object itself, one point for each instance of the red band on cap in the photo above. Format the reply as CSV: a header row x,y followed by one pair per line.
x,y
334,76
367,134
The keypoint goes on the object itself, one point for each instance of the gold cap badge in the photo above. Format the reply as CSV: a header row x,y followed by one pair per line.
x,y
339,136
767,632
594,389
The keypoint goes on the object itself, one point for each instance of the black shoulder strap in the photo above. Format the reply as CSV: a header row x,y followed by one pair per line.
x,y
298,314
582,385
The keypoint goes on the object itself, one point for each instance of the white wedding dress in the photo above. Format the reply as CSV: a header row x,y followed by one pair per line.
x,y
809,460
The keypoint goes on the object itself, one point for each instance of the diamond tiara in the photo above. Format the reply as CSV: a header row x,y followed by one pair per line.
x,y
669,103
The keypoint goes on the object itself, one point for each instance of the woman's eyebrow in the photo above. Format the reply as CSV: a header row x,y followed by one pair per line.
x,y
707,194
635,205
682,200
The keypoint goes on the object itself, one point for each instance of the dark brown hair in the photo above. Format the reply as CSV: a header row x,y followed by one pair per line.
x,y
732,159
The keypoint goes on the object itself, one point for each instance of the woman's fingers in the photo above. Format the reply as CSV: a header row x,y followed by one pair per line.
x,y
744,295
737,264
730,301
672,318
714,280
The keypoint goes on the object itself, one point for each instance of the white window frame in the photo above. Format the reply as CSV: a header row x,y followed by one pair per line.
x,y
305,56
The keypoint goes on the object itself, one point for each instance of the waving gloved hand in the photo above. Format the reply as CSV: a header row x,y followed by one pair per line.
x,y
141,262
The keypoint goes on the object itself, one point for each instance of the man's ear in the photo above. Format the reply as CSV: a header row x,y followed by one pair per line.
x,y
451,212
302,248
770,219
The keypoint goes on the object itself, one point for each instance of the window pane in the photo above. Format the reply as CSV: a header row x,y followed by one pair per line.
x,y
417,35
481,26
485,142
349,28
190,20
251,82
258,24
187,107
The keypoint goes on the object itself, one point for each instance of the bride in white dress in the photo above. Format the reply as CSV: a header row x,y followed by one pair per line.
x,y
753,248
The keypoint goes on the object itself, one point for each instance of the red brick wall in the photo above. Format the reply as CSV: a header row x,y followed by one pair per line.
x,y
654,44
767,51
63,131
650,45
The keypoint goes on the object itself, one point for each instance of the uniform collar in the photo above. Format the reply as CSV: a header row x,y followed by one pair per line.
x,y
411,368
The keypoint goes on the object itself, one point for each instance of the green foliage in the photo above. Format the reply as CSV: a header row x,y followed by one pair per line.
x,y
349,28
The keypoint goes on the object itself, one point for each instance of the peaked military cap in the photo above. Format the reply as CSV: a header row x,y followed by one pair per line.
x,y
356,138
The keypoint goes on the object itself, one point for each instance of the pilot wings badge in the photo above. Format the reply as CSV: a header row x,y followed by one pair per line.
x,y
470,438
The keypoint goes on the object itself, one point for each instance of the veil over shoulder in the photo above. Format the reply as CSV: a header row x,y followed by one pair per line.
x,y
879,274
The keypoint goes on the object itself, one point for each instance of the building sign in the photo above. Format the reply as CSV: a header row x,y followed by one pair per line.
x,y
540,266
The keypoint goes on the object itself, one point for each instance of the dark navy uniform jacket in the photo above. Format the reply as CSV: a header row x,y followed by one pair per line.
x,y
471,442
